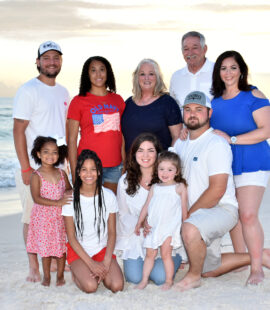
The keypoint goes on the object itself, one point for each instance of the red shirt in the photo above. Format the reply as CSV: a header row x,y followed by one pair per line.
x,y
100,124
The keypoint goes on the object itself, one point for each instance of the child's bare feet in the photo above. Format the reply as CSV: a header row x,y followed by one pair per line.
x,y
255,277
141,285
33,276
166,286
46,281
60,281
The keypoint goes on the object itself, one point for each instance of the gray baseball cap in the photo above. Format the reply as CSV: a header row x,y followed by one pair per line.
x,y
198,97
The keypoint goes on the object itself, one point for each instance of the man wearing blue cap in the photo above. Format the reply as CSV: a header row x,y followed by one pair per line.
x,y
40,108
213,209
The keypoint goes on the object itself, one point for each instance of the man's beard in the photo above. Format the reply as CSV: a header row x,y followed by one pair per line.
x,y
48,74
197,125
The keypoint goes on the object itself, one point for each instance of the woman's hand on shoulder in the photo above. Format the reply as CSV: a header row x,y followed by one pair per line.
x,y
257,93
183,134
223,134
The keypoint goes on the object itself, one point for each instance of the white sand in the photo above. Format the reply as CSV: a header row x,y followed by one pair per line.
x,y
225,292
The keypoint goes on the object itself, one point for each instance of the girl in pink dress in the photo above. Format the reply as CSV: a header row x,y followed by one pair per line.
x,y
46,234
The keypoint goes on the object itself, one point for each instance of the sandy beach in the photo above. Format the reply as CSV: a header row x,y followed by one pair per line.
x,y
226,292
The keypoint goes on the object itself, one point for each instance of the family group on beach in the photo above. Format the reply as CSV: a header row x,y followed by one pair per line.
x,y
157,180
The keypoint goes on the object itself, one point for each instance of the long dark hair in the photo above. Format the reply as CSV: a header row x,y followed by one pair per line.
x,y
133,170
175,160
85,84
218,85
39,143
100,208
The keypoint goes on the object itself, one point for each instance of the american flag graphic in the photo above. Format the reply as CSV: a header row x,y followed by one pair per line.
x,y
106,122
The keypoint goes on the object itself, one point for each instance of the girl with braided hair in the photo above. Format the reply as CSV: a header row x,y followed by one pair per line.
x,y
90,226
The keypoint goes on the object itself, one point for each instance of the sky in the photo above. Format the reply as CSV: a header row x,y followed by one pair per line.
x,y
125,32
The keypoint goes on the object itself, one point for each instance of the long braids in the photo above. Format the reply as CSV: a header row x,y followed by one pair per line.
x,y
88,154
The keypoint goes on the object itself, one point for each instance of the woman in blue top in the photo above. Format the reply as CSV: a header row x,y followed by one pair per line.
x,y
241,115
150,109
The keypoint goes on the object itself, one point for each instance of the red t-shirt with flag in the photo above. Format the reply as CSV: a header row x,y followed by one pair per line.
x,y
100,125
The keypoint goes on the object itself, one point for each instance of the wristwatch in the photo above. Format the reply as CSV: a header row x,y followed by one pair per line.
x,y
233,139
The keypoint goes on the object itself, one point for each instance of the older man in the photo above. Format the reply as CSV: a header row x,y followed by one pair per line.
x,y
197,74
213,208
40,108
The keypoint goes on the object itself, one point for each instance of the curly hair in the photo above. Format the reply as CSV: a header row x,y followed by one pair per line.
x,y
133,171
218,85
39,144
175,160
160,88
101,207
85,83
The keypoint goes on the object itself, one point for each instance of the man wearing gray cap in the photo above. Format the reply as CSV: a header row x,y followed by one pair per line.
x,y
197,74
40,108
213,208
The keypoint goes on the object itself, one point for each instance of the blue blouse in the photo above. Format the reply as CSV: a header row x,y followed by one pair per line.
x,y
234,116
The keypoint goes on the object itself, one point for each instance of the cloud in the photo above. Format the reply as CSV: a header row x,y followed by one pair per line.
x,y
60,18
222,8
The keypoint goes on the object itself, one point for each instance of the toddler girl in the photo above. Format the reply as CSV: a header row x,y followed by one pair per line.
x,y
166,207
46,234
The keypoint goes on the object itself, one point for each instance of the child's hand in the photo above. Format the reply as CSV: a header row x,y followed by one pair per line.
x,y
65,200
137,229
98,269
146,228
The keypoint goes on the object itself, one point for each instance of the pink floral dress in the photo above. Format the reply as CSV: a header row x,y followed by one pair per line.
x,y
46,233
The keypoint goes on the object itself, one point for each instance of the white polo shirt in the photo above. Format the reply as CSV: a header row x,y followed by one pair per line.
x,y
183,82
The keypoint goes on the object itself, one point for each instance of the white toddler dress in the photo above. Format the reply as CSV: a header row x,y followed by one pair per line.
x,y
164,216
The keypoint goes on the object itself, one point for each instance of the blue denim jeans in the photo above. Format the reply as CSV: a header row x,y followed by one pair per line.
x,y
112,174
133,269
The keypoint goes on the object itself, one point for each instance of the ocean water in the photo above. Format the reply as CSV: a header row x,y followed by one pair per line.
x,y
8,159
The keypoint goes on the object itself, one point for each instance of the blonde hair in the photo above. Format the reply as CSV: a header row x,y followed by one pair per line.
x,y
160,88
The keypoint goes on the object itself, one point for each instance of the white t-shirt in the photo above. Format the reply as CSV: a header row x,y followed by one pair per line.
x,y
45,107
203,157
183,82
90,241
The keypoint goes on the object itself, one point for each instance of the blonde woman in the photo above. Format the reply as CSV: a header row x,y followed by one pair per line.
x,y
150,109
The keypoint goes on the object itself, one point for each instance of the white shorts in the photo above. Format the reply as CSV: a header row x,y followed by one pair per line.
x,y
213,224
26,197
257,178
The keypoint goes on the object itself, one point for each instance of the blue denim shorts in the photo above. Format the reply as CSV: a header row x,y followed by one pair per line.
x,y
112,174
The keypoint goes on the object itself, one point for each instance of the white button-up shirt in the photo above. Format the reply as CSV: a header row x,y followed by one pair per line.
x,y
183,82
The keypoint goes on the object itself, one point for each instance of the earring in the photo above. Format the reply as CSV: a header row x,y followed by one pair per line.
x,y
241,77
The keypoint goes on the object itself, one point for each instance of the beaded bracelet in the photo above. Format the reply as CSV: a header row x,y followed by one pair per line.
x,y
26,170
